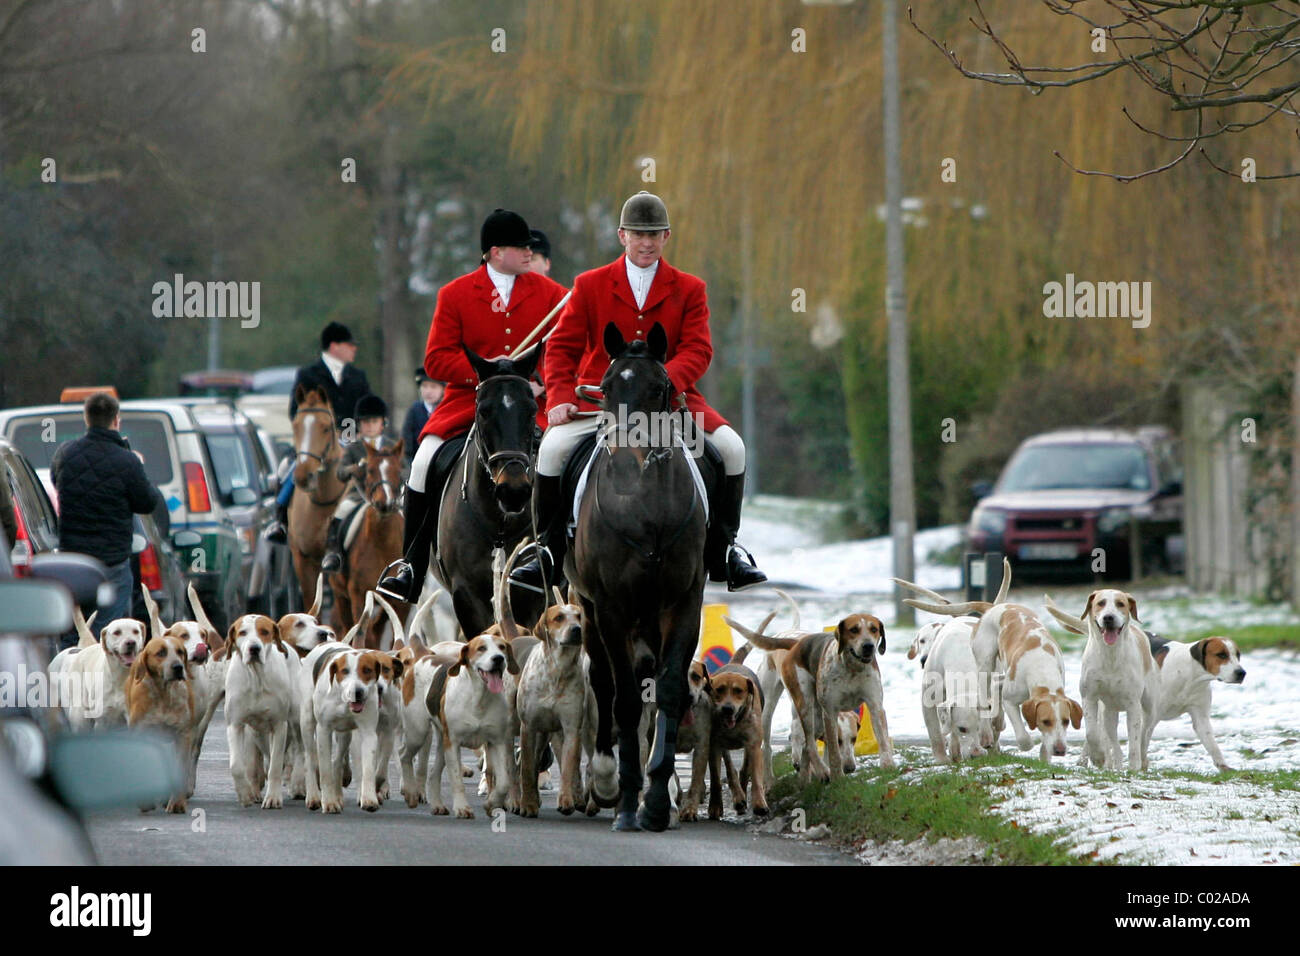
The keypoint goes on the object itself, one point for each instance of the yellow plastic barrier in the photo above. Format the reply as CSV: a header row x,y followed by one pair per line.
x,y
715,637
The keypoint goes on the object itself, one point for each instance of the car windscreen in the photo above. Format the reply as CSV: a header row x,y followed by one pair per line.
x,y
1092,465
231,463
148,436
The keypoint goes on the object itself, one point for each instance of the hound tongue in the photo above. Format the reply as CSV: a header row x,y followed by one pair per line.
x,y
493,681
729,722
689,717
356,706
1110,635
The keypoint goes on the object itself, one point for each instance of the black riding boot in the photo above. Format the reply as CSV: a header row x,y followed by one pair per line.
x,y
727,561
332,563
278,531
403,579
549,520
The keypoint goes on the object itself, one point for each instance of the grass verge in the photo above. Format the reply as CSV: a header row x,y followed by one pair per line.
x,y
877,805
1252,637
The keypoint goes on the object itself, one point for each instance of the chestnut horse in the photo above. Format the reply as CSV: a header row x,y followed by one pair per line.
x,y
637,563
377,542
317,489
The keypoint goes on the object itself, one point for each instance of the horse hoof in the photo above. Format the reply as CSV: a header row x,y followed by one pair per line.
x,y
626,821
655,823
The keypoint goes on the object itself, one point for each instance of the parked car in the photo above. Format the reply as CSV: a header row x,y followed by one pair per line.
x,y
176,460
246,486
1064,494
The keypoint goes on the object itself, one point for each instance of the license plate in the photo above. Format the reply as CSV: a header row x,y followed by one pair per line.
x,y
1048,552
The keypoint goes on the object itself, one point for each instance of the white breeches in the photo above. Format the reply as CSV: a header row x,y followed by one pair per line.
x,y
560,440
420,464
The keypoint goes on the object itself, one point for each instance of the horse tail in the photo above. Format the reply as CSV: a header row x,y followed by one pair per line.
x,y
759,639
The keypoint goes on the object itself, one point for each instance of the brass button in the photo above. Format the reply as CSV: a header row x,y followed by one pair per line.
x,y
507,348
507,331
640,316
507,316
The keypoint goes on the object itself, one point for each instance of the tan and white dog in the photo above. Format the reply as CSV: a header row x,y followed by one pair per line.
x,y
158,694
470,710
1118,674
259,706
1187,672
551,700
1033,680
342,690
827,672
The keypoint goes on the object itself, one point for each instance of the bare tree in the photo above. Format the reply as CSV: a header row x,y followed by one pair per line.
x,y
1230,64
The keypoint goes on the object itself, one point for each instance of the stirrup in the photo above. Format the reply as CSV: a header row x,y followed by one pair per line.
x,y
333,567
391,579
749,568
520,575
276,533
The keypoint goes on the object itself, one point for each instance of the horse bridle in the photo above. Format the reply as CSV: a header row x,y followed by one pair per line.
x,y
312,410
500,459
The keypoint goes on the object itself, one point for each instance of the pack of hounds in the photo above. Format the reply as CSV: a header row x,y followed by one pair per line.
x,y
303,709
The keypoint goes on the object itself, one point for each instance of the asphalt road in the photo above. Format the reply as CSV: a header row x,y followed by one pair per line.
x,y
225,833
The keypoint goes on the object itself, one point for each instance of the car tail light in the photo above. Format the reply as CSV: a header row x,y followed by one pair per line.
x,y
196,488
150,573
21,554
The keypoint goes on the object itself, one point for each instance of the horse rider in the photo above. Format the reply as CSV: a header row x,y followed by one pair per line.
x,y
541,247
431,391
343,384
635,291
490,310
371,415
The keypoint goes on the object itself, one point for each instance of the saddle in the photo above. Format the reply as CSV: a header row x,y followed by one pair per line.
x,y
710,465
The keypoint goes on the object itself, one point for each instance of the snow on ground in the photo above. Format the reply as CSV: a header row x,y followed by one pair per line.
x,y
1257,724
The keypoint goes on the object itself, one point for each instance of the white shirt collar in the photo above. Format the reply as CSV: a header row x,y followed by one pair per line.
x,y
640,278
335,366
504,283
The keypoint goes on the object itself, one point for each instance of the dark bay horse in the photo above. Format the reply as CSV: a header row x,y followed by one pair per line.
x,y
316,490
485,504
377,543
637,562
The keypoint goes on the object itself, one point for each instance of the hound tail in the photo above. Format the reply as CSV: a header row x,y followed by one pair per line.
x,y
759,639
399,636
949,610
1067,621
794,608
87,639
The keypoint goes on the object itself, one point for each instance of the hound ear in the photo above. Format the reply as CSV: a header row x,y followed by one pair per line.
x,y
336,665
1076,714
657,340
463,661
103,634
1029,710
750,684
615,345
230,637
911,652
1087,608
482,367
398,667
1198,651
511,666
880,648
1133,605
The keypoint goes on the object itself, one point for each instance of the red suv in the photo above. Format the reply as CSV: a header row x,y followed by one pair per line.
x,y
1065,494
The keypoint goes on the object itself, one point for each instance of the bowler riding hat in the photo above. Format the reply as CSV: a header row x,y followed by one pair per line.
x,y
644,212
504,228
370,406
335,332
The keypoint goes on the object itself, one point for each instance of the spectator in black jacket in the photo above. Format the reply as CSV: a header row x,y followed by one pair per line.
x,y
430,395
101,484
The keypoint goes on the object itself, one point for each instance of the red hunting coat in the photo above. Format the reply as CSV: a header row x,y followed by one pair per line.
x,y
464,314
575,354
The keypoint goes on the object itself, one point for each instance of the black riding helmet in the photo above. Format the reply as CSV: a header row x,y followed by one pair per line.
x,y
370,406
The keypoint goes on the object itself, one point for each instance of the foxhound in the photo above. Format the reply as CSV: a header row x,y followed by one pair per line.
x,y
1033,685
1187,672
952,698
259,707
159,694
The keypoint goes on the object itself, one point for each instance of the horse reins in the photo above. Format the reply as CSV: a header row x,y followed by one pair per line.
x,y
321,458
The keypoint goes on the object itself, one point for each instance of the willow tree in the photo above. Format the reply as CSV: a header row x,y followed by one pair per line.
x,y
770,114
